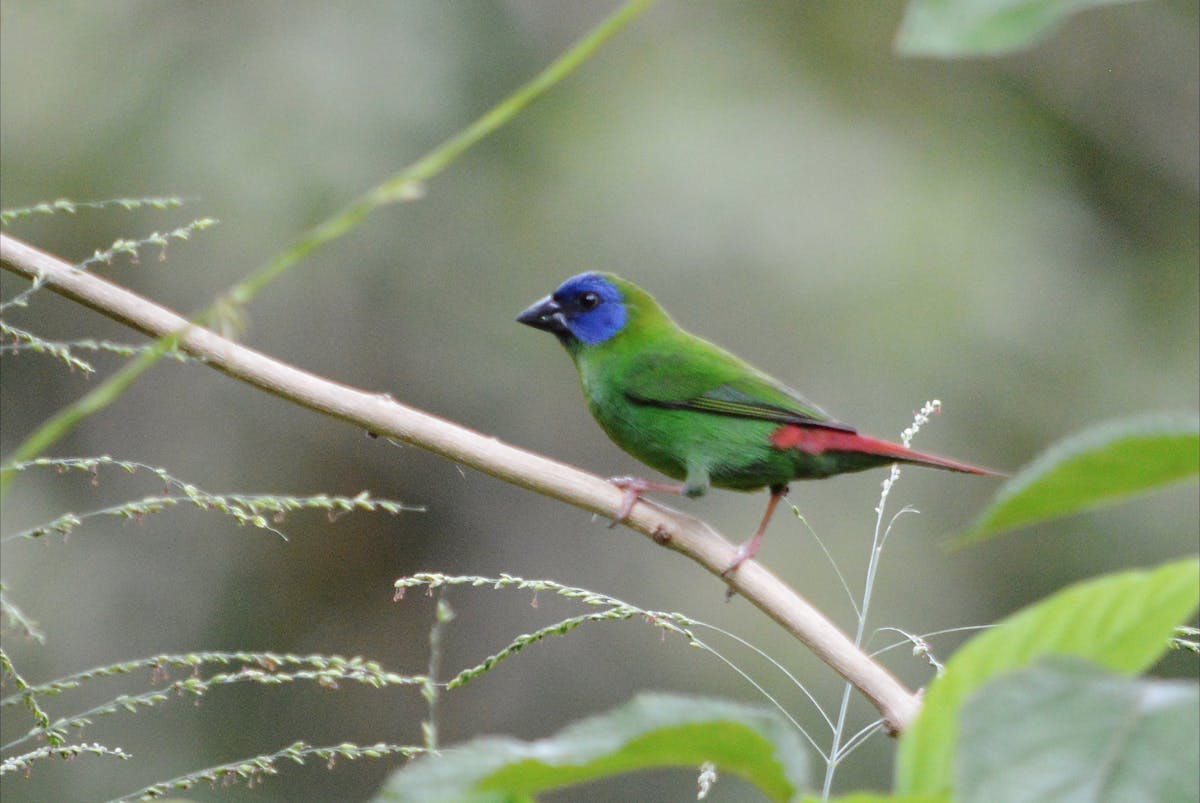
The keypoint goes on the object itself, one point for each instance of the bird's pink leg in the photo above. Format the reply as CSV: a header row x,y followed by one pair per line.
x,y
634,487
749,549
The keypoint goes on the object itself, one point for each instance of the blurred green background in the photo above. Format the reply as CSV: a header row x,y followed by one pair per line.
x,y
1017,237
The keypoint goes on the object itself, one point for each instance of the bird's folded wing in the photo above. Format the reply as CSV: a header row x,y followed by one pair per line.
x,y
714,381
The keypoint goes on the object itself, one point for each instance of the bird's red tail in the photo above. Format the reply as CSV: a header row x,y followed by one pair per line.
x,y
816,440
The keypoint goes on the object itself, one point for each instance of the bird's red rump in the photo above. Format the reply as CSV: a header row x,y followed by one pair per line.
x,y
815,440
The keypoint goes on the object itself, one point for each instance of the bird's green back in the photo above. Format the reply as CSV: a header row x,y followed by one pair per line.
x,y
659,363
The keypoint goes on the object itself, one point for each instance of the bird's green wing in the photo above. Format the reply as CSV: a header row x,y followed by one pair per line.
x,y
696,375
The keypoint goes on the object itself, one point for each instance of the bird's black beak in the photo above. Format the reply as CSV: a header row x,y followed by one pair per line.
x,y
545,314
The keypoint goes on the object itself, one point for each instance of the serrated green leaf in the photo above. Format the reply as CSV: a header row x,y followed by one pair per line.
x,y
652,731
949,28
1073,733
1099,466
1121,621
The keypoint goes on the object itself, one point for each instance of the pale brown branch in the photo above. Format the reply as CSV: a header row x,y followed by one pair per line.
x,y
380,414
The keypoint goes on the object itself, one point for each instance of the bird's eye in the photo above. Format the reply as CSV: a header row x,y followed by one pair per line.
x,y
589,301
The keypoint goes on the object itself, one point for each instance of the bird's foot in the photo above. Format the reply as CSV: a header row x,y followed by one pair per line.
x,y
634,487
744,553
750,548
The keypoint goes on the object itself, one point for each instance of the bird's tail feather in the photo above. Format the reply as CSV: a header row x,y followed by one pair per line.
x,y
816,440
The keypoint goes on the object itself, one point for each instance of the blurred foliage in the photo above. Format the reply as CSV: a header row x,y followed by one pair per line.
x,y
1101,466
981,27
653,730
1112,737
1122,622
1016,236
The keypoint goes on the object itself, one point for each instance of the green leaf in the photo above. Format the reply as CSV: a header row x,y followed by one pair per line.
x,y
949,28
1122,621
1073,733
652,731
880,797
1096,467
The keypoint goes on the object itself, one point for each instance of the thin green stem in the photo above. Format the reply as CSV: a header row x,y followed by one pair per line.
x,y
838,751
408,184
66,419
443,615
835,749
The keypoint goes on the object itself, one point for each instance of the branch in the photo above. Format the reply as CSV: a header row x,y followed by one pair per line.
x,y
380,414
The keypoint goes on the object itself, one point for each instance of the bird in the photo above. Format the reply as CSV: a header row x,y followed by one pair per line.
x,y
695,412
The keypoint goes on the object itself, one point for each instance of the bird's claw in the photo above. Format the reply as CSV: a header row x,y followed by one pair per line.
x,y
633,487
741,556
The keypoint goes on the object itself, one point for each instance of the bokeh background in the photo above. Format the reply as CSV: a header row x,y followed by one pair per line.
x,y
1015,236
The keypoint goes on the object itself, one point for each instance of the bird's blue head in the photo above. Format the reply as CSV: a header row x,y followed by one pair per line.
x,y
587,308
